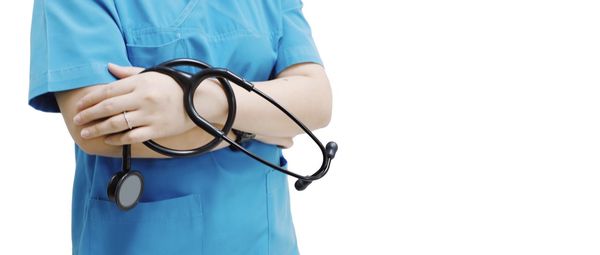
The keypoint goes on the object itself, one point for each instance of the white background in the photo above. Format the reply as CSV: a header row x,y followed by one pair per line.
x,y
465,127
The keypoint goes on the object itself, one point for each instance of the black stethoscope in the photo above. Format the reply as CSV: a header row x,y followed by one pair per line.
x,y
126,187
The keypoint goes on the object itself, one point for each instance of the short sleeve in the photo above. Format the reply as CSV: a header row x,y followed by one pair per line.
x,y
296,44
71,44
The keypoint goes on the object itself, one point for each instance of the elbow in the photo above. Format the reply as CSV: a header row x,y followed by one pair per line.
x,y
88,148
83,144
322,114
324,117
86,145
327,106
96,147
317,117
319,108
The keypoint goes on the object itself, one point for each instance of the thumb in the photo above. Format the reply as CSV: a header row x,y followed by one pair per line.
x,y
123,71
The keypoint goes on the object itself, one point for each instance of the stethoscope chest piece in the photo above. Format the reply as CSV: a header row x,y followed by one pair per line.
x,y
126,187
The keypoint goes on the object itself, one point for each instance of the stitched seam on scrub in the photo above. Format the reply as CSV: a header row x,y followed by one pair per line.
x,y
48,74
185,13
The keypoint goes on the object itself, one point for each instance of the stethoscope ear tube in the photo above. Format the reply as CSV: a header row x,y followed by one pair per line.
x,y
302,183
328,151
224,76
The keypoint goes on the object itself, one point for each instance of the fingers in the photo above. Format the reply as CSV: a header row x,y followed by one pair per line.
x,y
136,135
114,124
109,107
102,93
123,71
111,90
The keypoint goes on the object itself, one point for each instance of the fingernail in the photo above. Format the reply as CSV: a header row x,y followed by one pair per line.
x,y
85,133
77,119
108,141
112,64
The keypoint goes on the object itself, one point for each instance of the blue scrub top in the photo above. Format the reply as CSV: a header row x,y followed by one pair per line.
x,y
218,203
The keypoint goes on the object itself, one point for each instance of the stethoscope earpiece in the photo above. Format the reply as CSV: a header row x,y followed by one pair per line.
x,y
331,148
125,188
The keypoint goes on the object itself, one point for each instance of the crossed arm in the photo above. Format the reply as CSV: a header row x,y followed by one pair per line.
x,y
94,118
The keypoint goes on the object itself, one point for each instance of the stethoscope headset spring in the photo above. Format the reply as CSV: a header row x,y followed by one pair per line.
x,y
126,187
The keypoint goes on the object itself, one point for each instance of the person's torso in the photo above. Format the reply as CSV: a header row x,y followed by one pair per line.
x,y
221,202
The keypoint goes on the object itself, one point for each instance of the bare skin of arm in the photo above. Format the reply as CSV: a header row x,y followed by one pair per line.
x,y
93,115
193,138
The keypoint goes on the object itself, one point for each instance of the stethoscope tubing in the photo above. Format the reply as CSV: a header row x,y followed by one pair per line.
x,y
189,84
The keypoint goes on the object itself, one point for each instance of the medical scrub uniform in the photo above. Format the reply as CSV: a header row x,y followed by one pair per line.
x,y
221,202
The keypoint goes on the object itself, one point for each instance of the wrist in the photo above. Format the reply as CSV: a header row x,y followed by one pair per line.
x,y
210,102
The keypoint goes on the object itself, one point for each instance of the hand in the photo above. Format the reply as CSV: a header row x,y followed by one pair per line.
x,y
153,102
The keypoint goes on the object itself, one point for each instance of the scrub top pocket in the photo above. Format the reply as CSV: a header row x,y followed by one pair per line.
x,y
171,226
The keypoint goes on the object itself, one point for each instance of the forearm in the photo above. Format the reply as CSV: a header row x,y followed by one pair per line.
x,y
192,138
94,117
303,90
